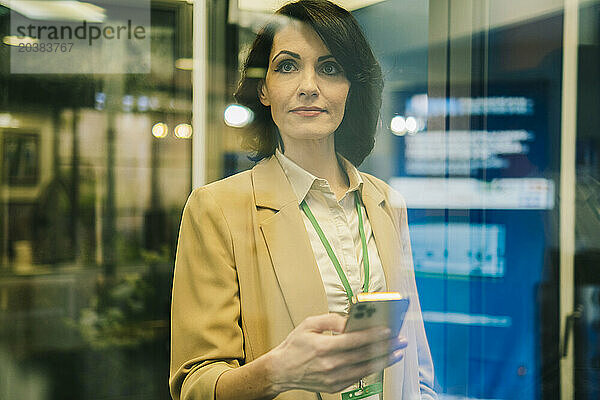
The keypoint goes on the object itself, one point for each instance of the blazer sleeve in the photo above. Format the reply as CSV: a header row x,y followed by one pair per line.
x,y
426,374
206,338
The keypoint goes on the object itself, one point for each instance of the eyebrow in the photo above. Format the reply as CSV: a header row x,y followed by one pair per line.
x,y
297,56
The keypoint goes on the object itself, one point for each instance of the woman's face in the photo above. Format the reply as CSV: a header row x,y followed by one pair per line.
x,y
305,86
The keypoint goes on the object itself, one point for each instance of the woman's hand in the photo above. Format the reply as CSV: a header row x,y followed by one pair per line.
x,y
310,360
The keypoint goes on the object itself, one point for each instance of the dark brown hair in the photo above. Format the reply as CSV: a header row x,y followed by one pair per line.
x,y
355,137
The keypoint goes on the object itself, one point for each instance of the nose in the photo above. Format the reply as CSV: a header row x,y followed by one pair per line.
x,y
308,86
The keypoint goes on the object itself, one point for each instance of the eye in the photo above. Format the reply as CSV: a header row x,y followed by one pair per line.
x,y
286,66
331,68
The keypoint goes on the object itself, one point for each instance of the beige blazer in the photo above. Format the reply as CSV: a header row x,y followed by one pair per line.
x,y
245,276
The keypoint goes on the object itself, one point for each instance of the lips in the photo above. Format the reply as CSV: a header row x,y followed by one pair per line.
x,y
308,111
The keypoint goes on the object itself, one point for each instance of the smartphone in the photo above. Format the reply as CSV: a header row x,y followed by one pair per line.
x,y
368,310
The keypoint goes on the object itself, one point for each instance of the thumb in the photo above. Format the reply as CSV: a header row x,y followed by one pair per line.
x,y
326,322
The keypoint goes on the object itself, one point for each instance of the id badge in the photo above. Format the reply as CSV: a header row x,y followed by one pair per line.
x,y
370,392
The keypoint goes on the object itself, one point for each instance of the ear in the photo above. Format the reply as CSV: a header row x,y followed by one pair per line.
x,y
263,94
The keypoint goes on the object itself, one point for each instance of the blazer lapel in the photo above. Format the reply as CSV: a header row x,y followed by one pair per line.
x,y
384,231
288,243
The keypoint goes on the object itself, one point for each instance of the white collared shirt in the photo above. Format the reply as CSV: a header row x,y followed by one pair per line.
x,y
339,222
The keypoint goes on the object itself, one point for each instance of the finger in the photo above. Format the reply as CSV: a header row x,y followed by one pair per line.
x,y
325,322
379,364
370,352
354,340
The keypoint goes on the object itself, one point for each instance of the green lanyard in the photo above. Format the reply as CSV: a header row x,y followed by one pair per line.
x,y
330,252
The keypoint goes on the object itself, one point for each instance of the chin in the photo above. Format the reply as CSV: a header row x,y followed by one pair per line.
x,y
310,131
311,135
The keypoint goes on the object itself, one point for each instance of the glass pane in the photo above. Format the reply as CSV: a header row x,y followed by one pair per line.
x,y
587,203
489,247
96,167
470,135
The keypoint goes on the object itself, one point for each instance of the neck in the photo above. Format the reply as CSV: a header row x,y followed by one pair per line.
x,y
319,158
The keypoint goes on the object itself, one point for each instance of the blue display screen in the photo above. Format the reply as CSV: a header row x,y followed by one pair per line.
x,y
482,216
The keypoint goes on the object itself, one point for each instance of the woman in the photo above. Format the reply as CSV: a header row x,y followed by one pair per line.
x,y
258,303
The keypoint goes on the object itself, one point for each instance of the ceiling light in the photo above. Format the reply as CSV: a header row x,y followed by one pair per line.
x,y
18,40
160,130
57,10
186,64
183,131
398,125
237,115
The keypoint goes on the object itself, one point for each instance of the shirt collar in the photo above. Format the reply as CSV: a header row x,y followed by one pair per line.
x,y
303,181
